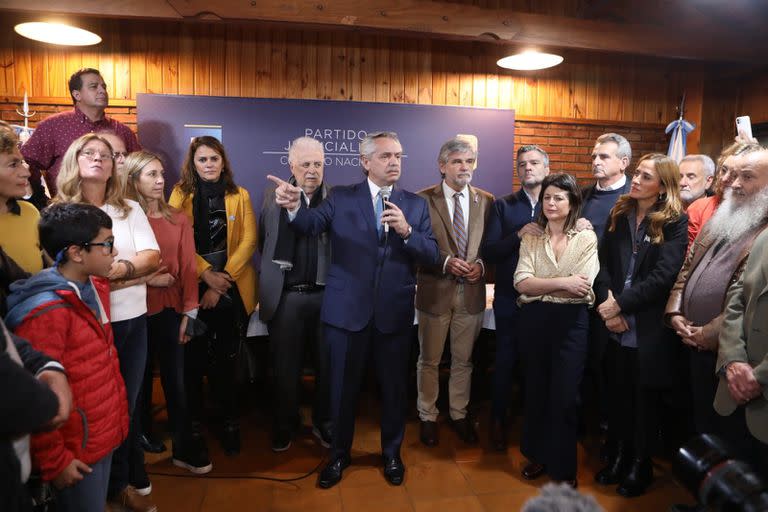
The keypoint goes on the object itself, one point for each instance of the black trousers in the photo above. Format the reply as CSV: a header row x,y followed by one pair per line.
x,y
553,346
703,385
506,312
163,337
349,353
746,447
215,354
295,327
634,411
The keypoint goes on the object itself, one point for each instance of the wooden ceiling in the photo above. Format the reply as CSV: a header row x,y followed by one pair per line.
x,y
708,30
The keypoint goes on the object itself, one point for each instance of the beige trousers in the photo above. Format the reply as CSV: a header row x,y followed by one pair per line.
x,y
433,329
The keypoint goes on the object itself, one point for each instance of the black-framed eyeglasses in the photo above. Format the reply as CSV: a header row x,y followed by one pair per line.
x,y
109,244
120,154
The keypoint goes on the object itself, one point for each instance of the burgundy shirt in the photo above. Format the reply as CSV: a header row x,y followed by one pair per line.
x,y
53,136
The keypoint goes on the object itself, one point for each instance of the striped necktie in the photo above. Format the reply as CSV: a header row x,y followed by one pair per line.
x,y
459,229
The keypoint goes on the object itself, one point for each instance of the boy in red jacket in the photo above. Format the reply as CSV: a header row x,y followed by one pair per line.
x,y
64,312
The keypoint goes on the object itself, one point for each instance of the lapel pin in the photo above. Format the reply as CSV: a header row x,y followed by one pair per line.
x,y
232,218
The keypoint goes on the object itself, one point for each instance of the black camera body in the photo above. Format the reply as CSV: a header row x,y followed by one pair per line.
x,y
719,482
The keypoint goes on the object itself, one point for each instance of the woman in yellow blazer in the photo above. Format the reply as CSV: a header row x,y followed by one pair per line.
x,y
225,240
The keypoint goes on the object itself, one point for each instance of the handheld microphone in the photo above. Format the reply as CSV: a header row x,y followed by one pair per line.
x,y
386,193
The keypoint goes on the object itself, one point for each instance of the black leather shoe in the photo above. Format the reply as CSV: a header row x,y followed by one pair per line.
x,y
498,436
428,433
617,468
466,430
394,470
151,445
533,471
230,439
331,473
639,477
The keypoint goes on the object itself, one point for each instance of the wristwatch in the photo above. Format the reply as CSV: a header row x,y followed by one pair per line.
x,y
408,234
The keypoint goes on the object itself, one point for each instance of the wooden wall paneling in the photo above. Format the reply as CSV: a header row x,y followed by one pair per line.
x,y
186,70
248,62
106,55
7,67
56,85
324,63
693,84
155,43
452,74
381,65
367,67
605,73
202,59
753,99
264,63
39,74
396,70
491,82
279,56
293,63
479,79
628,91
410,71
339,67
354,75
592,77
530,84
137,44
233,43
505,89
170,58
217,60
425,71
22,61
439,74
578,106
544,101
466,78
655,93
309,64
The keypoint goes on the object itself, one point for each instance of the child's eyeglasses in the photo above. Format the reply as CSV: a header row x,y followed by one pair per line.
x,y
109,244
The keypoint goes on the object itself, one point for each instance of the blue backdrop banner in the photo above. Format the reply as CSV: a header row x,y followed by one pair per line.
x,y
257,135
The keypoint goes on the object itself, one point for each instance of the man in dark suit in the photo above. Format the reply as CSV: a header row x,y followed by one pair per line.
x,y
369,296
292,279
451,295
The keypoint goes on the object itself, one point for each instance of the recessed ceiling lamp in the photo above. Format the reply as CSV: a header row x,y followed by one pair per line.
x,y
530,60
57,33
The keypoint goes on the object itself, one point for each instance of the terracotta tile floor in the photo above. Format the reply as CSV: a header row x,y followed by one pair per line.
x,y
449,477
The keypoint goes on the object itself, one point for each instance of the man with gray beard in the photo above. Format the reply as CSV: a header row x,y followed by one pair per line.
x,y
716,261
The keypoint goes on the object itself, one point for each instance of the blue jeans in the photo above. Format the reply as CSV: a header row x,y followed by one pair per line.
x,y
131,345
90,494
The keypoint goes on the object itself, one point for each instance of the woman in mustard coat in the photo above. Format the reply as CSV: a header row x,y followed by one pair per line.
x,y
225,240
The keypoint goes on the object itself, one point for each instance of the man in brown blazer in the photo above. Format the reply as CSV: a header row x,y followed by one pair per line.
x,y
451,294
742,361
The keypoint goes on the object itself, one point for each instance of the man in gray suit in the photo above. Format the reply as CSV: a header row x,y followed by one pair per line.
x,y
742,361
293,270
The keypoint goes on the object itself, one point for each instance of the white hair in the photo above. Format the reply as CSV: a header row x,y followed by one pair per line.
x,y
305,143
706,162
732,220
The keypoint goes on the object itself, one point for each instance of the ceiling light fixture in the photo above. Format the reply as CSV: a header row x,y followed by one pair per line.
x,y
57,33
530,60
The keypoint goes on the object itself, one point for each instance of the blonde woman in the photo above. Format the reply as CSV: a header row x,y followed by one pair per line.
x,y
87,175
640,255
225,240
171,300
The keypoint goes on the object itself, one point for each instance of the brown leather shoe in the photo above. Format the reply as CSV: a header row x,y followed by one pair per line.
x,y
428,433
134,501
533,471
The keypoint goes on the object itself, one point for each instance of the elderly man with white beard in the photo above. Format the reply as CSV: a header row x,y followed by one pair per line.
x,y
716,260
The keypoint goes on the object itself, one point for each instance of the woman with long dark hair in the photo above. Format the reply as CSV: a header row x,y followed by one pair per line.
x,y
640,255
225,240
554,277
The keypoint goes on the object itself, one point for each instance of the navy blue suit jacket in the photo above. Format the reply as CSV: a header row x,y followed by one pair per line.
x,y
501,245
360,260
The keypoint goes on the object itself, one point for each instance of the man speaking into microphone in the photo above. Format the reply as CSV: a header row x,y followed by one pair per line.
x,y
368,306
